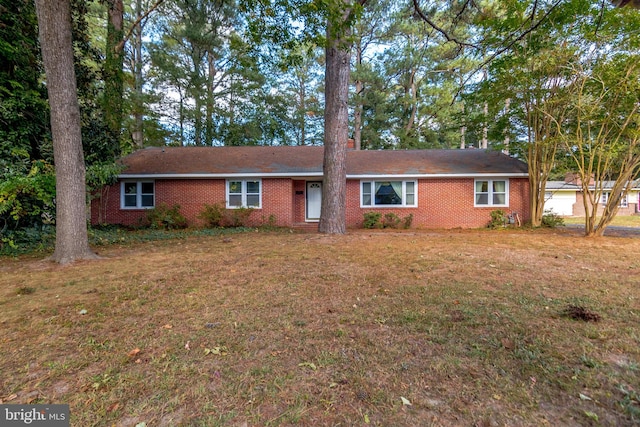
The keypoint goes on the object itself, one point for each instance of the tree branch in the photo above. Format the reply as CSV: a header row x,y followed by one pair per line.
x,y
510,44
433,25
137,22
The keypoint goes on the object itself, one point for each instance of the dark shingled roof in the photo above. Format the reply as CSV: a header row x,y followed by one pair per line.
x,y
295,160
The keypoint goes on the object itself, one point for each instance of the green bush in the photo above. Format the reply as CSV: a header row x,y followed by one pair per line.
x,y
551,219
372,220
390,220
164,218
407,221
27,239
217,216
499,219
28,200
212,215
236,217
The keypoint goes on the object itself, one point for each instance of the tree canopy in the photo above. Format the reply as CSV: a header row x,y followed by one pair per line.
x,y
435,74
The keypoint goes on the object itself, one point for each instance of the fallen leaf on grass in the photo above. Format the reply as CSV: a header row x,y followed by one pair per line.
x,y
584,397
167,326
591,415
113,407
508,344
134,352
308,365
186,346
219,351
405,401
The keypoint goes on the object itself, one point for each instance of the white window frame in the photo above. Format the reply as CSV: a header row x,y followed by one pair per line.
x,y
243,193
138,194
404,203
490,192
624,200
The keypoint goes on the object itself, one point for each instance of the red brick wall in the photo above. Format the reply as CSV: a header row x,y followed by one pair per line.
x,y
299,201
276,200
192,195
442,203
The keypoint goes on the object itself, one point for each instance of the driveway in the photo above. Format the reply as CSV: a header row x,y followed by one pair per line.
x,y
611,231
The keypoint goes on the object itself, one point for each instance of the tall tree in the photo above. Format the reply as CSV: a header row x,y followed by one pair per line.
x,y
113,68
336,117
54,28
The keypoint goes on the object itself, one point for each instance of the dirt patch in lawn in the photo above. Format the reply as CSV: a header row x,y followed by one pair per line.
x,y
371,328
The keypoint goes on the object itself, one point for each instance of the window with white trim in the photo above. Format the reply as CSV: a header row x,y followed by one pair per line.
x,y
388,193
624,202
491,192
137,195
244,193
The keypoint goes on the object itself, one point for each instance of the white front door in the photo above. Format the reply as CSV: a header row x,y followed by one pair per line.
x,y
314,200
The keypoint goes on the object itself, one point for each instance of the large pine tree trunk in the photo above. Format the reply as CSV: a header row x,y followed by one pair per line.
x,y
54,27
113,65
336,131
138,108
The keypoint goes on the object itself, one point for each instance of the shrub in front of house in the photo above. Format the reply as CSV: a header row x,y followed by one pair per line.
x,y
162,217
407,221
372,220
499,219
217,216
389,220
551,219
236,217
212,215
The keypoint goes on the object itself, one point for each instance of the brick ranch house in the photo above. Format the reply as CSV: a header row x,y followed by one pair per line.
x,y
440,188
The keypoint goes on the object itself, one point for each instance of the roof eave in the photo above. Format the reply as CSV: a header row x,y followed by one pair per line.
x,y
312,174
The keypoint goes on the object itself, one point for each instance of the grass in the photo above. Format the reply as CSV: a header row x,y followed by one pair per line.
x,y
372,328
620,220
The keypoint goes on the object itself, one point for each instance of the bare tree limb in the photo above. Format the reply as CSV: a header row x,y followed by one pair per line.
x,y
137,22
510,44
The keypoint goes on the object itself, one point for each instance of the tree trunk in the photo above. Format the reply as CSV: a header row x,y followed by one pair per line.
x,y
336,128
357,114
54,28
138,119
412,90
507,104
211,86
302,107
485,125
113,64
463,131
